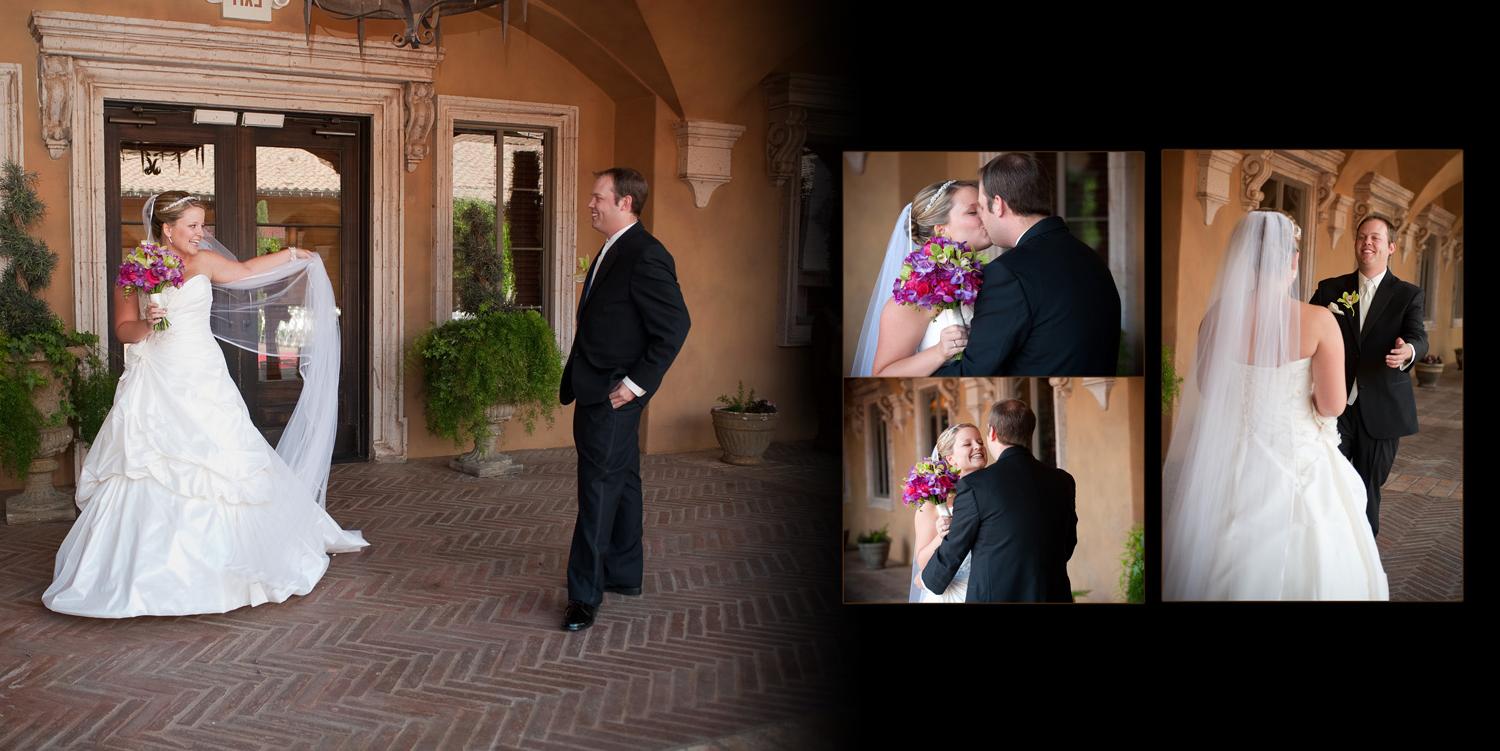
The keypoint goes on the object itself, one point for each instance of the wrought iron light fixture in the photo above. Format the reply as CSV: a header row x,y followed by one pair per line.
x,y
422,17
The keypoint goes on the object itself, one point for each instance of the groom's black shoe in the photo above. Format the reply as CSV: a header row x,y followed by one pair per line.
x,y
620,590
578,616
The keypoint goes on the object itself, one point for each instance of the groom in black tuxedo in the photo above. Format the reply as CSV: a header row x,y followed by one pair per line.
x,y
1018,517
1048,305
1383,336
631,323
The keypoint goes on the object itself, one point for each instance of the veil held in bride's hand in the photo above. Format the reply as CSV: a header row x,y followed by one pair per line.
x,y
251,312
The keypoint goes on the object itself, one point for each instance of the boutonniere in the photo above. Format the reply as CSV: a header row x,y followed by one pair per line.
x,y
1348,300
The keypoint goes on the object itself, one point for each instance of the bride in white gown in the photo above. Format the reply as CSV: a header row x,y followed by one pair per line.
x,y
905,341
1258,503
963,448
185,507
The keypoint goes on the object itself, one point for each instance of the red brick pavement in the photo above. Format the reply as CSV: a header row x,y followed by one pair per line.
x,y
1421,508
444,633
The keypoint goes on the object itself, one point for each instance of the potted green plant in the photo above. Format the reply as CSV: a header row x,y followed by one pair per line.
x,y
744,426
1133,566
875,547
1429,370
50,378
1171,383
481,371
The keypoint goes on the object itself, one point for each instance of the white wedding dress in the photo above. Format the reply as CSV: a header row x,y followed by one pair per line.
x,y
1294,527
934,332
185,507
958,589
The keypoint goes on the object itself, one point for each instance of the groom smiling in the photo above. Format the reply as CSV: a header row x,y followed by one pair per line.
x,y
632,322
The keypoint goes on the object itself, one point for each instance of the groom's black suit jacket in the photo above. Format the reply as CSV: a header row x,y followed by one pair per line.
x,y
1387,406
1048,307
1018,517
632,323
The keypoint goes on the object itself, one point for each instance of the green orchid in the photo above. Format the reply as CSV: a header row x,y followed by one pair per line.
x,y
1349,300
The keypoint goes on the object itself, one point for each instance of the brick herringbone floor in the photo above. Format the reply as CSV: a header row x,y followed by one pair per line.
x,y
1421,507
445,632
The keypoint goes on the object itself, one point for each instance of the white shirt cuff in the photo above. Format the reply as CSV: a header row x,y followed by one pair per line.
x,y
637,390
1411,359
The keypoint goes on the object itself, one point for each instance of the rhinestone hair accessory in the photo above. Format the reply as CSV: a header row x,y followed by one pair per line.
x,y
179,202
935,196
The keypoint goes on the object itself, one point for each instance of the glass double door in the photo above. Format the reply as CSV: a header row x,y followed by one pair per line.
x,y
264,189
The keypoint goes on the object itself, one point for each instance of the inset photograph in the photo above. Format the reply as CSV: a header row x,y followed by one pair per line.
x,y
980,264
1312,374
984,490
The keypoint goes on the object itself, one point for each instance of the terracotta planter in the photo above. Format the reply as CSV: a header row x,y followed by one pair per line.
x,y
484,460
744,436
1428,375
39,501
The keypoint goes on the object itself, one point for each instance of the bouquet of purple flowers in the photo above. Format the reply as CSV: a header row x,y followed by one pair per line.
x,y
942,274
930,481
150,268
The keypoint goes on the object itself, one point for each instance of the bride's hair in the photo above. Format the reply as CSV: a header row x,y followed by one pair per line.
x,y
1296,228
931,205
949,437
1268,243
170,206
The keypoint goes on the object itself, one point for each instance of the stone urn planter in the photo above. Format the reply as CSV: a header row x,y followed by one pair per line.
x,y
1428,374
484,460
39,501
744,436
874,554
875,548
744,426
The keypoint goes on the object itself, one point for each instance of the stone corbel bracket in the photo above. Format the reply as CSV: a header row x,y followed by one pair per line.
x,y
856,160
419,117
1378,194
1338,218
704,155
55,91
1100,388
1214,184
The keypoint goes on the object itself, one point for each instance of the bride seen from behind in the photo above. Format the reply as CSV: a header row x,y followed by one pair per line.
x,y
1258,503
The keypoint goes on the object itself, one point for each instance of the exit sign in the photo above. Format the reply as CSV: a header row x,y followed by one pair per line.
x,y
250,10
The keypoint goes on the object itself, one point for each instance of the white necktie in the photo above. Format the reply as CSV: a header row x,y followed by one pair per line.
x,y
1366,299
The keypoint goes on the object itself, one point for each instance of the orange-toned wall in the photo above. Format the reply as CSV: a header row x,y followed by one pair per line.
x,y
873,199
1103,453
1193,252
726,253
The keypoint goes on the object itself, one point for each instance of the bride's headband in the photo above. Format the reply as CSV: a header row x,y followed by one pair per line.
x,y
1296,228
946,432
179,202
935,196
